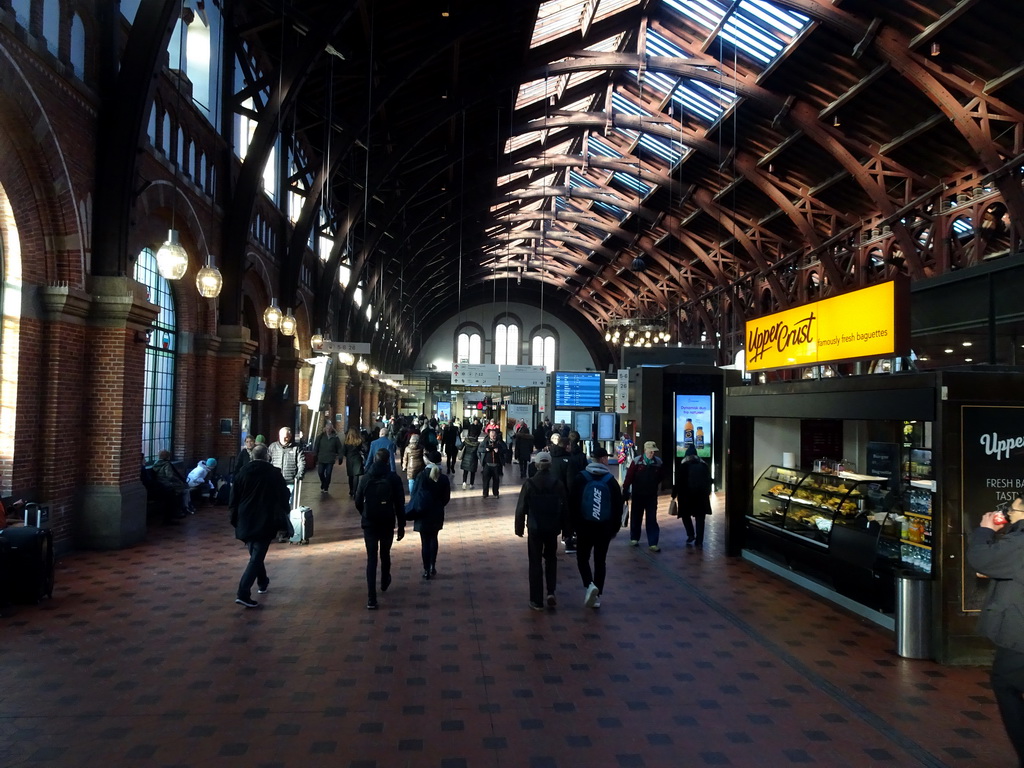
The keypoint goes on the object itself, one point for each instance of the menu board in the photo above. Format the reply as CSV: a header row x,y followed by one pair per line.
x,y
577,391
820,439
991,454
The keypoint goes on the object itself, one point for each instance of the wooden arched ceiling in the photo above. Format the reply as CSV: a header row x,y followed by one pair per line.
x,y
650,135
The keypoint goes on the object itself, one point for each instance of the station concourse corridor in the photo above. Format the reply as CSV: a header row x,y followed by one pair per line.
x,y
694,659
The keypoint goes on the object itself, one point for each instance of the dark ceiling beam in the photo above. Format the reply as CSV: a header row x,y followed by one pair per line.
x,y
126,89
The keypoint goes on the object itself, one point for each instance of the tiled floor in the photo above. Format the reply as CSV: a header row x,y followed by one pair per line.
x,y
694,659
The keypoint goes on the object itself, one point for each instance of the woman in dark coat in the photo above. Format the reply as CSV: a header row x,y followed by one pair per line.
x,y
523,447
692,492
470,461
353,454
431,493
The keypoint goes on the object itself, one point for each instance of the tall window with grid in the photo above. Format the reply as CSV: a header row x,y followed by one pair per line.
x,y
542,351
506,344
468,347
158,393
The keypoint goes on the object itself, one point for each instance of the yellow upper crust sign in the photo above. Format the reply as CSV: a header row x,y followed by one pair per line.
x,y
859,324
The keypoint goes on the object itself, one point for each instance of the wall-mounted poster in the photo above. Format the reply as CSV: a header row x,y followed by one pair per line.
x,y
444,412
992,467
694,420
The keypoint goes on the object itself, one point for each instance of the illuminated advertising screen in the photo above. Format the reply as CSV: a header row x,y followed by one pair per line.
x,y
577,391
694,424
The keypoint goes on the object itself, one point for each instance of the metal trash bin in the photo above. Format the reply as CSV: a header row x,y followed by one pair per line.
x,y
913,614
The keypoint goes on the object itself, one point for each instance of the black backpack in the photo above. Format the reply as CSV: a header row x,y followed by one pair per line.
x,y
378,506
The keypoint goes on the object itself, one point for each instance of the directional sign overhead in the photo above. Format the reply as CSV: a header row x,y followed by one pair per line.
x,y
622,391
475,375
522,376
352,347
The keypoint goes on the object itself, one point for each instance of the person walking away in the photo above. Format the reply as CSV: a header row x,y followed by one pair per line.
x,y
692,492
380,499
643,483
327,447
996,549
523,447
352,454
258,507
412,459
595,513
385,442
245,454
286,455
543,510
450,441
575,462
470,460
429,497
492,459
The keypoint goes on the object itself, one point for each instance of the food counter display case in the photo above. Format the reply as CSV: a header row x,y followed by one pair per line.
x,y
810,505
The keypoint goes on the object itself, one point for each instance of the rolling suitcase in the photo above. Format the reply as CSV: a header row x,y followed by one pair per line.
x,y
29,558
302,523
301,519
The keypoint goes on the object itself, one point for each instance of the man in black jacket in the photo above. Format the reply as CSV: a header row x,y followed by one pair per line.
x,y
380,500
259,506
1001,558
542,508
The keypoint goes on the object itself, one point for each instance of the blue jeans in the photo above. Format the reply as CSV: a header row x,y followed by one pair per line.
x,y
256,570
325,471
641,508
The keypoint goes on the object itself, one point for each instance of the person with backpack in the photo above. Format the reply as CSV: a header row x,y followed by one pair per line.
x,y
428,437
643,483
575,461
692,492
595,513
380,500
543,510
430,494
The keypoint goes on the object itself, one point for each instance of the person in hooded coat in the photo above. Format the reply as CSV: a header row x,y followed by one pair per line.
x,y
430,494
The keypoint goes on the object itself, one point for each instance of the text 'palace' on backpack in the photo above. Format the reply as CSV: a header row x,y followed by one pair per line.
x,y
597,498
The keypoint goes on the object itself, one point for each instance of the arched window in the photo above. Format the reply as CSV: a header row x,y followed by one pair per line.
x,y
165,138
543,347
506,343
158,383
51,25
468,346
77,56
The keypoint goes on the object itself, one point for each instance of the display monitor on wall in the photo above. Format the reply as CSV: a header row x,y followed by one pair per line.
x,y
578,391
694,420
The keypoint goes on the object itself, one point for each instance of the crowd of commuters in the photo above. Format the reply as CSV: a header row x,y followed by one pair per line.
x,y
407,472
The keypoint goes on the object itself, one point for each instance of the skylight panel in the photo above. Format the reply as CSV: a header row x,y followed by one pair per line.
x,y
669,151
577,179
702,12
510,177
694,103
963,227
632,182
621,103
608,8
545,181
599,148
515,143
659,45
535,90
619,214
580,105
557,18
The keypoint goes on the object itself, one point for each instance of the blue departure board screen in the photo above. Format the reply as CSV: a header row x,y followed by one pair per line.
x,y
578,391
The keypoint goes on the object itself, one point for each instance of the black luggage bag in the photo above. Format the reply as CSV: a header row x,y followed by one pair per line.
x,y
29,556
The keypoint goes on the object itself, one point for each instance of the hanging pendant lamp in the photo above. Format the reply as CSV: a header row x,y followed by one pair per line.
x,y
272,316
171,258
209,280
